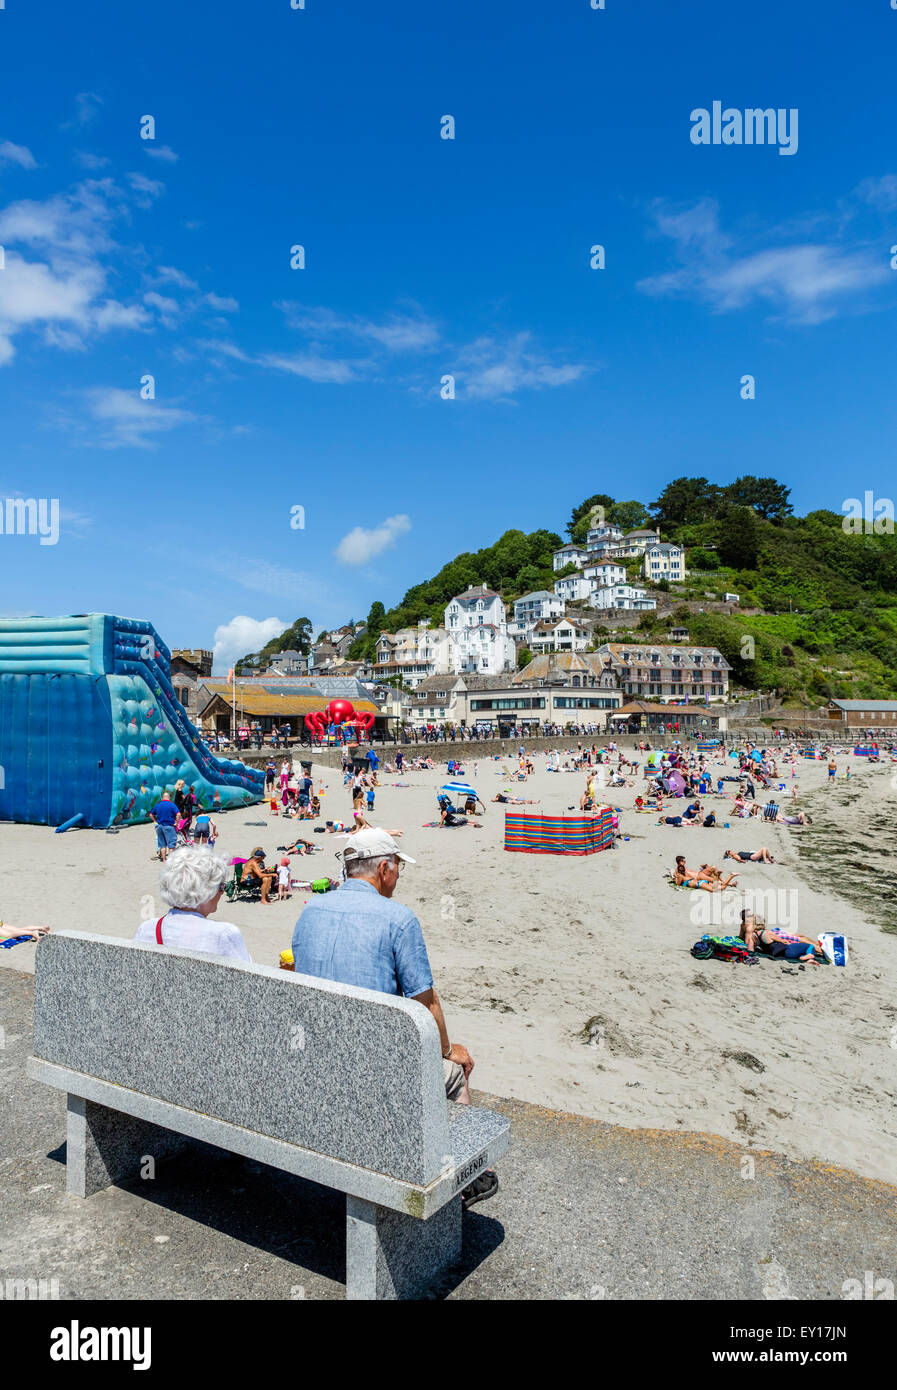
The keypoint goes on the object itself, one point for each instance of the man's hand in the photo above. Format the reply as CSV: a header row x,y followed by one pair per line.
x,y
459,1054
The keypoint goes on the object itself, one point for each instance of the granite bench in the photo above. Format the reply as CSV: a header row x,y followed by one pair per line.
x,y
156,1047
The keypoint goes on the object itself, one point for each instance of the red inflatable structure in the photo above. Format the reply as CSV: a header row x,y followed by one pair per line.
x,y
336,716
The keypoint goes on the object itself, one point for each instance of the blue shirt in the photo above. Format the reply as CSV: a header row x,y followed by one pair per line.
x,y
355,936
166,813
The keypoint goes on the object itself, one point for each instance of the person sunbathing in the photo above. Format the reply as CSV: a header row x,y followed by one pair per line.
x,y
778,943
708,877
746,856
802,818
299,847
15,934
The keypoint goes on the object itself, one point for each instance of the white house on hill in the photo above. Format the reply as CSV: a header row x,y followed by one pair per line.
x,y
572,587
569,555
476,622
626,596
560,635
605,572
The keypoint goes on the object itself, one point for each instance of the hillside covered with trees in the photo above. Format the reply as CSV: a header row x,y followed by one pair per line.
x,y
818,603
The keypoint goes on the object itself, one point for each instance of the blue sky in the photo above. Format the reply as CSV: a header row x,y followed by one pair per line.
x,y
320,388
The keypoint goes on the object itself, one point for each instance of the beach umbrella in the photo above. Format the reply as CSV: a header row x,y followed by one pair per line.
x,y
459,789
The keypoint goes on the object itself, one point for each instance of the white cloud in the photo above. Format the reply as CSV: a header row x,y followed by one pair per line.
x,y
129,421
160,152
241,636
396,333
217,347
223,305
312,367
145,189
62,290
167,309
879,193
806,283
492,370
363,543
16,154
111,314
87,105
176,277
91,161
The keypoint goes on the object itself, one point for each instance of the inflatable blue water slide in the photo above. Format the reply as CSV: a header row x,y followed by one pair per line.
x,y
90,727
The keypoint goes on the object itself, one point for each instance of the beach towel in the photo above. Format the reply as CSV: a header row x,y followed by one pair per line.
x,y
723,948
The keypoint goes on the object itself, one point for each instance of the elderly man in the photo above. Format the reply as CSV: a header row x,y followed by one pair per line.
x,y
358,936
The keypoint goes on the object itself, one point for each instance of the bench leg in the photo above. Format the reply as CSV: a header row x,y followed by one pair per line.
x,y
104,1146
389,1255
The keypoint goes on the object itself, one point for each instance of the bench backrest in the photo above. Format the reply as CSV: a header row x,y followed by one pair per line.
x,y
345,1072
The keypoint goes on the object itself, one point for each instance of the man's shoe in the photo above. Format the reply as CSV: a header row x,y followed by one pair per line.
x,y
483,1187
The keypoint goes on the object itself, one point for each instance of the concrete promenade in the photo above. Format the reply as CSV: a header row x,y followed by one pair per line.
x,y
586,1211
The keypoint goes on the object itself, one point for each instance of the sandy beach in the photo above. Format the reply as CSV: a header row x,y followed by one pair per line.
x,y
532,953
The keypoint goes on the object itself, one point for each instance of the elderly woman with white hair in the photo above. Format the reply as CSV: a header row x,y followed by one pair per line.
x,y
192,881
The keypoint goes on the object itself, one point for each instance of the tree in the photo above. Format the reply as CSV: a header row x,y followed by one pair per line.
x,y
296,638
529,578
579,521
739,542
375,618
768,498
629,516
686,499
700,559
524,657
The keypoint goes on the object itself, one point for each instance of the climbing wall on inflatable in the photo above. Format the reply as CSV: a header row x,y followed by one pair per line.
x,y
91,727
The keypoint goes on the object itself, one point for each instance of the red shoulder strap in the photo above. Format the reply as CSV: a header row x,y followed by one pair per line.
x,y
159,931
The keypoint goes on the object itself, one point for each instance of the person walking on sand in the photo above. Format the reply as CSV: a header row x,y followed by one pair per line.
x,y
165,814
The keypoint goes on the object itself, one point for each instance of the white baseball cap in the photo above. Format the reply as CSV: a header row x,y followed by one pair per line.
x,y
371,844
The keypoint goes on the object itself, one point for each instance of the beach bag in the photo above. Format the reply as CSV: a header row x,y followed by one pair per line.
x,y
722,948
834,947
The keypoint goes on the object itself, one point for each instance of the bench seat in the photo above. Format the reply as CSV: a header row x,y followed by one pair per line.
x,y
154,1046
